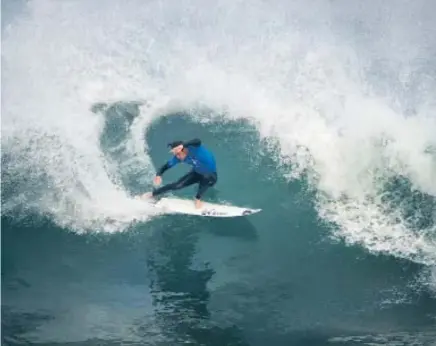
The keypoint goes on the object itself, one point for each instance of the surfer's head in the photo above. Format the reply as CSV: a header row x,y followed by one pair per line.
x,y
178,150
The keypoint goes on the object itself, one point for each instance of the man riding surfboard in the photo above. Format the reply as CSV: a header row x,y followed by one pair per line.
x,y
203,173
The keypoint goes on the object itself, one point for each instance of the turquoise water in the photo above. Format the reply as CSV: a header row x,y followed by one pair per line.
x,y
322,116
274,277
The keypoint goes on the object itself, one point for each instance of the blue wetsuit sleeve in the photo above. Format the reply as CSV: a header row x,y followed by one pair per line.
x,y
193,142
172,162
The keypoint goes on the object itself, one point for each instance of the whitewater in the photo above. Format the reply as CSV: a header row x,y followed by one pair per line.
x,y
340,96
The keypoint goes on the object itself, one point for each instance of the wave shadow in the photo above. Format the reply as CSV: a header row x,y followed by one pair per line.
x,y
238,227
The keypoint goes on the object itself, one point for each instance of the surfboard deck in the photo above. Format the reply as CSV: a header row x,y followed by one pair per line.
x,y
186,206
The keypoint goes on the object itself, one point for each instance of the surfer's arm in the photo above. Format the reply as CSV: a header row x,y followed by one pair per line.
x,y
193,142
170,163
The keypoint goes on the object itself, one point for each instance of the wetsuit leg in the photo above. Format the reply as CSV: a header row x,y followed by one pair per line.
x,y
188,179
206,182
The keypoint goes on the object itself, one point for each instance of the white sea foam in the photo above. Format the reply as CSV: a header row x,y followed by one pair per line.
x,y
348,93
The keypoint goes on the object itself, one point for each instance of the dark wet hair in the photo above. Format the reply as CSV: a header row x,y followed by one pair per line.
x,y
174,144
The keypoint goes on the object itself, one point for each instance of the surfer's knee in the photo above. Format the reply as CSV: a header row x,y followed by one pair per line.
x,y
212,179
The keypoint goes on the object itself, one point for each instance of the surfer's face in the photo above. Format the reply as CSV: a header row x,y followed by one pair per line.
x,y
181,155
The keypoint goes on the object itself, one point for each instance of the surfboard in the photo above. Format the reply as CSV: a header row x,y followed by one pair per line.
x,y
187,206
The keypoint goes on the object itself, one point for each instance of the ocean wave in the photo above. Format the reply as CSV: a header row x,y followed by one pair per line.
x,y
342,110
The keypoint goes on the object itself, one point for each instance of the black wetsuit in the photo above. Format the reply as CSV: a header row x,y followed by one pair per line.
x,y
204,170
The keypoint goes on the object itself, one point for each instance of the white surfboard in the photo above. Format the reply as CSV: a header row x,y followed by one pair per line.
x,y
187,206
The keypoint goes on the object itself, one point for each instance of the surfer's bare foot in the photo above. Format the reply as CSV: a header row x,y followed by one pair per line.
x,y
146,196
198,203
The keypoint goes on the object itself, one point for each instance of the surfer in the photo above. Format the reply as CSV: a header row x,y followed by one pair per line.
x,y
203,171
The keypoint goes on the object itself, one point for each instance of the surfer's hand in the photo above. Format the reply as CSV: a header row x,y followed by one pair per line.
x,y
198,203
157,180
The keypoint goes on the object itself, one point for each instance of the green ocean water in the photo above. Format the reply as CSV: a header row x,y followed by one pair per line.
x,y
323,116
272,278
